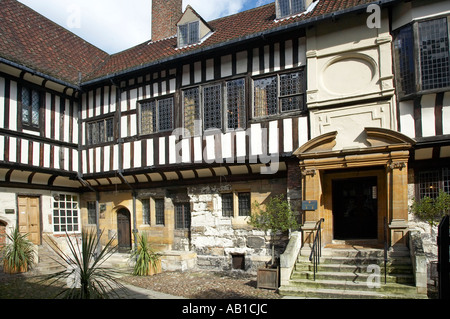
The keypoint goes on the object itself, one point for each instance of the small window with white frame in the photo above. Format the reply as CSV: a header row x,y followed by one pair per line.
x,y
188,33
286,8
66,216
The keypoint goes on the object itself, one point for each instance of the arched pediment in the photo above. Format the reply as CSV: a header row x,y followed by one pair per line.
x,y
374,139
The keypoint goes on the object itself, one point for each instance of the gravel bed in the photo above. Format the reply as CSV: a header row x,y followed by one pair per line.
x,y
203,285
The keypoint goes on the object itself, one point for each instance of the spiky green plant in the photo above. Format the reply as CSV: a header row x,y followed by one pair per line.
x,y
84,268
18,253
144,257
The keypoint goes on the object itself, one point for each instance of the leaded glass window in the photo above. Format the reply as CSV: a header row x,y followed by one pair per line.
x,y
236,104
192,114
212,107
434,54
182,216
404,58
100,131
188,33
227,205
265,97
146,211
291,91
244,204
157,116
287,8
92,213
31,101
159,211
430,182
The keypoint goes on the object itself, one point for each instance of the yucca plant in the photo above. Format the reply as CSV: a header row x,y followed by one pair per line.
x,y
145,258
84,273
19,253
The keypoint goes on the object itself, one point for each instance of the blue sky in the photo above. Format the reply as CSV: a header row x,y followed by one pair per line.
x,y
116,25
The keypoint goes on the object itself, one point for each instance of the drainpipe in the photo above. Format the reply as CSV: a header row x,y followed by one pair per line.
x,y
97,209
133,192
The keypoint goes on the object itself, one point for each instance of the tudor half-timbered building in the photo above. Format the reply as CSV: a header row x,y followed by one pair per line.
x,y
179,136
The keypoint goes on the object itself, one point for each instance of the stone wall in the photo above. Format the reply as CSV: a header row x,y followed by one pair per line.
x,y
216,239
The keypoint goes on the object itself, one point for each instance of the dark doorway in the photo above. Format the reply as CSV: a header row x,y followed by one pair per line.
x,y
124,230
355,208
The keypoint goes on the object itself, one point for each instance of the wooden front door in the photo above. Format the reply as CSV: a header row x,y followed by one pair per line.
x,y
124,230
29,218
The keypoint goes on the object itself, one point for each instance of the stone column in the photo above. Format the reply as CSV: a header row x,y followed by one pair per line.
x,y
398,203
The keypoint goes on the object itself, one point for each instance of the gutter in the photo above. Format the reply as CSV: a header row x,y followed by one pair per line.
x,y
274,31
40,74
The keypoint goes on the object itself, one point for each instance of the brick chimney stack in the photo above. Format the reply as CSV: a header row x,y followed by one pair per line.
x,y
165,15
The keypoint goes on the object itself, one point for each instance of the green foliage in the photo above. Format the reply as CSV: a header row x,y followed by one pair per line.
x,y
277,216
431,210
144,256
18,252
84,267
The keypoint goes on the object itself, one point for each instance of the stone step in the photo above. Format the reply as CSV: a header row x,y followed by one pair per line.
x,y
355,277
349,268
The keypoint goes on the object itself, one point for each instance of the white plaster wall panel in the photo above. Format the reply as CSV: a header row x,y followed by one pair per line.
x,y
48,116
47,156
241,62
67,119
137,156
256,139
227,145
124,127
2,102
288,54
66,159
302,51
57,117
226,65
98,102
287,135
255,66
266,58
240,144
209,154
91,163
123,102
36,154
150,155
276,66
90,112
407,123
173,85
107,156
186,80
12,149
303,130
172,150
75,123
75,165
106,90
273,137
56,157
83,134
13,106
446,114
428,115
186,150
112,105
209,69
98,159
198,151
116,158
83,106
126,155
2,147
24,151
133,99
162,151
134,125
163,88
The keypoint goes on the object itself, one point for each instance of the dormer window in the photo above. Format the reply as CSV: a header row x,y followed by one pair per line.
x,y
286,8
188,33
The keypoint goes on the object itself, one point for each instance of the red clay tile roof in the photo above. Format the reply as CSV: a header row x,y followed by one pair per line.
x,y
31,40
36,42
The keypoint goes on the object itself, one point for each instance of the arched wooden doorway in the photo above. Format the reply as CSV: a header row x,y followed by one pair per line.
x,y
124,230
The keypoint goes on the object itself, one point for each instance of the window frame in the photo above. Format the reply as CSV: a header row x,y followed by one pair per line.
x,y
292,12
198,123
92,212
279,111
156,119
108,131
237,211
415,59
185,216
75,213
160,216
188,38
32,95
430,181
146,211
